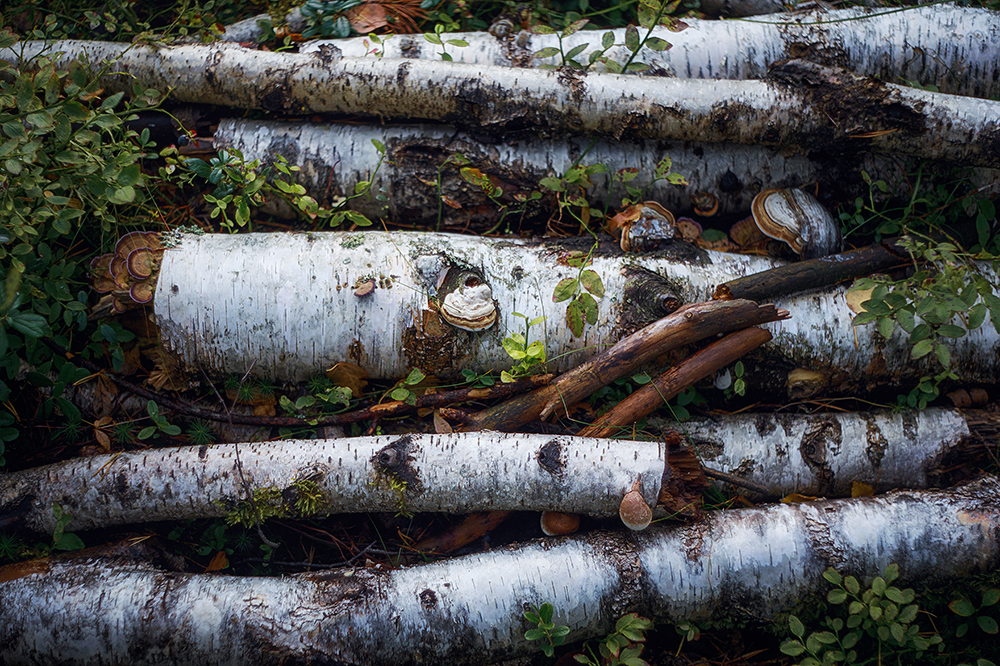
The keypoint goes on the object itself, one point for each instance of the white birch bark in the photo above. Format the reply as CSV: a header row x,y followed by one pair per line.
x,y
504,101
824,454
335,158
750,562
954,48
283,306
453,473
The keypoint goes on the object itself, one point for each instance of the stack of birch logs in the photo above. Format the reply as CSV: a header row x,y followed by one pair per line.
x,y
284,307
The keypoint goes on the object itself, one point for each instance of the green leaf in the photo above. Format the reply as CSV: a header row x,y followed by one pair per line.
x,y
987,624
792,648
897,632
589,308
68,541
415,377
991,597
852,585
547,52
574,318
534,634
632,39
943,355
833,576
556,185
836,596
29,323
400,394
575,51
657,44
921,349
885,327
795,624
591,281
608,40
878,586
545,612
951,331
564,290
147,432
962,607
129,175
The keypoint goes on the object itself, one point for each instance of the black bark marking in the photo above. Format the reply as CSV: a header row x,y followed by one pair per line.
x,y
395,460
551,458
428,599
648,297
822,439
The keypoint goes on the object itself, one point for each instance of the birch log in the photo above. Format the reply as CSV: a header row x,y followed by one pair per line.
x,y
745,563
953,48
824,454
454,473
283,306
335,158
850,116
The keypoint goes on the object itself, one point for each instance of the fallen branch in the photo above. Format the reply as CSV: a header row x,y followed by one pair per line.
x,y
689,324
456,473
655,394
861,115
98,611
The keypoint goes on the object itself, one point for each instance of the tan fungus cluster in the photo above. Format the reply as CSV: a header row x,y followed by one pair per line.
x,y
128,275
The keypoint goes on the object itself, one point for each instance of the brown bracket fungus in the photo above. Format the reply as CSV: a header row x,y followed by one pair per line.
x,y
557,523
634,511
795,218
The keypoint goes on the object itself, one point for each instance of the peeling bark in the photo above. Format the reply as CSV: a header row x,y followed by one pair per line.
x,y
954,48
745,563
282,306
454,473
860,115
824,454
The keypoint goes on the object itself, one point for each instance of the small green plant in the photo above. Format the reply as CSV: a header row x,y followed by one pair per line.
x,y
528,356
61,539
200,433
879,625
688,631
662,172
481,380
945,291
160,424
622,647
435,38
965,608
737,384
402,390
581,292
546,630
325,18
11,547
477,178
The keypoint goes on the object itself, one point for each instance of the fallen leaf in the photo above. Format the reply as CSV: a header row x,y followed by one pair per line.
x,y
349,375
861,489
796,498
218,563
440,425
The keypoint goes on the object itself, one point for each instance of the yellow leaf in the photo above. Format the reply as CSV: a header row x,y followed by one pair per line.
x,y
796,498
349,375
861,489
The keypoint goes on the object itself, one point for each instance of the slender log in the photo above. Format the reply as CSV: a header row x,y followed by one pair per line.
x,y
815,273
752,562
824,454
416,173
864,115
455,473
689,324
954,48
692,369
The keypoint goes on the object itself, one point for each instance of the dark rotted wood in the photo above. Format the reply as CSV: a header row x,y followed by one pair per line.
x,y
815,273
698,366
689,324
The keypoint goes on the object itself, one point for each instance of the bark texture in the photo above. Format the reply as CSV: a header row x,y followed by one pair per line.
x,y
416,172
745,563
454,473
283,306
824,454
954,48
851,116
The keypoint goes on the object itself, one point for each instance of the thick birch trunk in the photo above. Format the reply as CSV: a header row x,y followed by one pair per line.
x,y
848,115
824,454
335,158
454,473
751,562
283,306
954,48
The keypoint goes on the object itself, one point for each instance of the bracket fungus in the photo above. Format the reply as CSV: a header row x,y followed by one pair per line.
x,y
642,227
634,511
795,218
557,523
128,275
466,300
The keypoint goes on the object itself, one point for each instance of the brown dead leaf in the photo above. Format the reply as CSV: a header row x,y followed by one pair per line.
x,y
218,563
349,375
99,434
264,408
861,489
440,425
479,393
368,17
